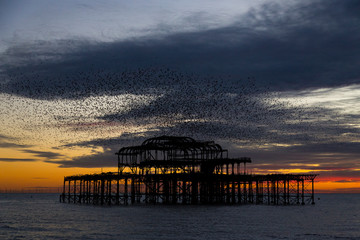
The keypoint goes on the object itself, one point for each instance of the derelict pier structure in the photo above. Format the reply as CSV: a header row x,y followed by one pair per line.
x,y
180,170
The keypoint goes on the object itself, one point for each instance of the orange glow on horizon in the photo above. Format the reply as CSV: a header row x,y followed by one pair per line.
x,y
20,176
337,187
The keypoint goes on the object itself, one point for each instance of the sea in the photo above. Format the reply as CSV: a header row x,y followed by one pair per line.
x,y
42,216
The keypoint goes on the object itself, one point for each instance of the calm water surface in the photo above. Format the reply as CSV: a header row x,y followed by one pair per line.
x,y
41,216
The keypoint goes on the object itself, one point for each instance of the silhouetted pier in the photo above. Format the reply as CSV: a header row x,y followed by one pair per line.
x,y
180,170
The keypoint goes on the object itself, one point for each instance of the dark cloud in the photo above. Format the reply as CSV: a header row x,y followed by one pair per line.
x,y
347,181
340,173
106,159
13,145
312,44
125,139
327,157
3,137
17,160
42,154
334,147
8,142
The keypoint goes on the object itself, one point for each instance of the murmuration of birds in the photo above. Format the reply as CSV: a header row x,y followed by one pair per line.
x,y
155,101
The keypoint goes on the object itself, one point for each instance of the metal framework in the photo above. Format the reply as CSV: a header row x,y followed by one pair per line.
x,y
180,170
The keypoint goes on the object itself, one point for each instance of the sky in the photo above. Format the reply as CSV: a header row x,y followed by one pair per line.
x,y
277,81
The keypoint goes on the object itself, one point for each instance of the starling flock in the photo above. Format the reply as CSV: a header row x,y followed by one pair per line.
x,y
95,106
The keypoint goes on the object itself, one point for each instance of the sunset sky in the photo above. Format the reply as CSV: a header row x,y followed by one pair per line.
x,y
277,81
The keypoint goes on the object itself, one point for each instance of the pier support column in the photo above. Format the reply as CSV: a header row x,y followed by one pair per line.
x,y
251,193
69,191
245,193
239,191
102,189
133,190
80,191
268,191
117,201
109,191
257,197
194,190
288,192
302,192
312,192
298,192
88,190
184,193
284,182
174,191
74,192
125,191
62,198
